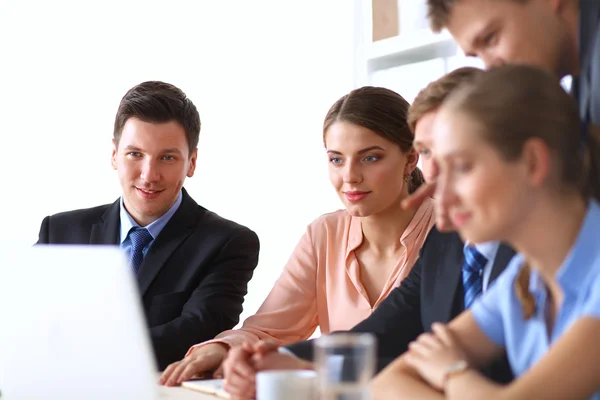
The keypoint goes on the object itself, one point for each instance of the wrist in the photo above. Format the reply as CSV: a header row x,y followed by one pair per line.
x,y
453,370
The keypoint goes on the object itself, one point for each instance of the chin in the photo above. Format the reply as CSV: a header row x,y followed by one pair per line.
x,y
477,236
358,211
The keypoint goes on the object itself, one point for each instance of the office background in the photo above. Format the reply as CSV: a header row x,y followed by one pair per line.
x,y
262,73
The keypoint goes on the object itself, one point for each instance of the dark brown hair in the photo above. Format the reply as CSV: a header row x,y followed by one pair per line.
x,y
438,12
159,102
513,104
381,110
433,95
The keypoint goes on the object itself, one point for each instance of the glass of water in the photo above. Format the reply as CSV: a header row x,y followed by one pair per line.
x,y
345,364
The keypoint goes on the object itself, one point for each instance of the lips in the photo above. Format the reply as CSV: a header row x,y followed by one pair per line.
x,y
355,195
148,193
460,219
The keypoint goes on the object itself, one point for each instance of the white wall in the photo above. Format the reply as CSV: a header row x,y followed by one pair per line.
x,y
262,73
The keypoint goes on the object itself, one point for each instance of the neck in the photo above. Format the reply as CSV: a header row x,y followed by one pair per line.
x,y
382,231
543,244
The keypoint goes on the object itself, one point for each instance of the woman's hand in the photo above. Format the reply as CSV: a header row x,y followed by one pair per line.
x,y
202,359
432,354
244,362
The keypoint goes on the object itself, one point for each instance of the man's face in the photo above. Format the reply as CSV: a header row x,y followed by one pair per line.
x,y
152,161
510,32
423,143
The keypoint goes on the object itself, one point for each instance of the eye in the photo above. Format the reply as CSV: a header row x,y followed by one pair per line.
x,y
489,39
335,160
371,158
462,167
168,158
134,154
425,152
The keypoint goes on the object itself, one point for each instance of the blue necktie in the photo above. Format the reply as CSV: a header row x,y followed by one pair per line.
x,y
140,237
472,274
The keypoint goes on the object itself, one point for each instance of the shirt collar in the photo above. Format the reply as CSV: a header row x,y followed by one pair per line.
x,y
577,265
411,232
127,222
487,249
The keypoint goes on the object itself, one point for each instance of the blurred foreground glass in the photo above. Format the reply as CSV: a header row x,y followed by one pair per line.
x,y
345,364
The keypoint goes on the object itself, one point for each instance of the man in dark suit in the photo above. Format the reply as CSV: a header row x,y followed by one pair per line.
x,y
192,265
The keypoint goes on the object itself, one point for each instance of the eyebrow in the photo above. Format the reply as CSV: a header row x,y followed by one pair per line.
x,y
171,150
485,30
362,151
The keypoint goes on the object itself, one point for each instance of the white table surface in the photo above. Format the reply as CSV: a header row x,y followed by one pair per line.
x,y
179,393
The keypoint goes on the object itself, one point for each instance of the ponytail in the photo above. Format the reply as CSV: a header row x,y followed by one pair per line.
x,y
524,296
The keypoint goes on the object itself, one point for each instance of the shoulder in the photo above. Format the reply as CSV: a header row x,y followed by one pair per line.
x,y
438,239
209,220
206,222
331,224
84,216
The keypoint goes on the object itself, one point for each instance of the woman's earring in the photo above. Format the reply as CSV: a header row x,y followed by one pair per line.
x,y
407,178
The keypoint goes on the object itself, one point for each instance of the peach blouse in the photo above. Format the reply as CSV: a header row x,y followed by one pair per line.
x,y
320,285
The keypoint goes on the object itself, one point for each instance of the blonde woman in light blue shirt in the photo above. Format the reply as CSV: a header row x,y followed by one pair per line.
x,y
516,166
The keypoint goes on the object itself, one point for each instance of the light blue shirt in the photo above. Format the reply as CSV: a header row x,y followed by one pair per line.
x,y
499,315
489,251
154,228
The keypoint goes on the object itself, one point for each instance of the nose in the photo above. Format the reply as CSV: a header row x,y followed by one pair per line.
x,y
491,60
445,195
351,173
150,172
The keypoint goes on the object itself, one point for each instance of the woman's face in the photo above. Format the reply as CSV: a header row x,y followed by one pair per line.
x,y
485,195
367,170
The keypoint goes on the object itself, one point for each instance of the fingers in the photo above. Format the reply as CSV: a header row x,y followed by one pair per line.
x,y
238,359
425,344
175,372
218,374
239,374
192,369
168,372
444,334
239,385
415,199
265,346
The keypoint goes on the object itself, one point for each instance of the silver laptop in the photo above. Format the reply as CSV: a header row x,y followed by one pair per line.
x,y
72,326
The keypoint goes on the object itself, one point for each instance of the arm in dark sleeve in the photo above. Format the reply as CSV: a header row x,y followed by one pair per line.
x,y
44,235
395,323
215,305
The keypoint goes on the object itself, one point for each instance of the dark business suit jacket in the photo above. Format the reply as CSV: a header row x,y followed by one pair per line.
x,y
193,279
587,85
432,292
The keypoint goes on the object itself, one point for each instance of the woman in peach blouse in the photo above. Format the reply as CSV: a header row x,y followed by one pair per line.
x,y
348,261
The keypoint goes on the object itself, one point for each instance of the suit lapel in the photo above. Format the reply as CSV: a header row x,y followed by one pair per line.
x,y
449,278
170,238
503,257
106,231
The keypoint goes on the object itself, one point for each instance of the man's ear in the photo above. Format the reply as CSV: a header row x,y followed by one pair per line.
x,y
192,167
113,158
